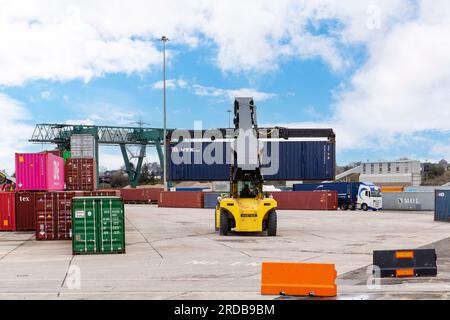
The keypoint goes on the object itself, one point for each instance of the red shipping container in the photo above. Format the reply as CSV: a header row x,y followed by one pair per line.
x,y
7,211
54,215
172,199
80,174
141,195
25,211
39,172
305,200
101,193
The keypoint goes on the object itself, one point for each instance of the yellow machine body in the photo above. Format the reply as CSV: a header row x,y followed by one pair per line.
x,y
248,214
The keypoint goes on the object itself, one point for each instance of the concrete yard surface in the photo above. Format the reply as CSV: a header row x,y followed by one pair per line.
x,y
176,254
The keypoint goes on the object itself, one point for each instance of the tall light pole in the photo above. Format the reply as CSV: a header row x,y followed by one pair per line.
x,y
164,39
229,118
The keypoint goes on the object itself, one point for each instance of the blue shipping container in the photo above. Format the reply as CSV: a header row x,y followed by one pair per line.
x,y
297,160
210,199
189,189
442,205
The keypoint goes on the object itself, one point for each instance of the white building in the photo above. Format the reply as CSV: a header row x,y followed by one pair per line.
x,y
386,173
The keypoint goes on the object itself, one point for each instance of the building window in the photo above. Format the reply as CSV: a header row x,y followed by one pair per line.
x,y
372,167
397,169
406,169
380,168
389,168
364,168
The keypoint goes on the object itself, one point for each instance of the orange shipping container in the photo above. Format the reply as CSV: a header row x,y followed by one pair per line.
x,y
392,189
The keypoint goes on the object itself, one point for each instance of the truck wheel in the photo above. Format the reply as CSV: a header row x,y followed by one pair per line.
x,y
224,223
344,206
272,224
364,207
352,207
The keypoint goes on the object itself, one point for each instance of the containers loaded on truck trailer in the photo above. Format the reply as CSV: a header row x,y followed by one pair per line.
x,y
351,195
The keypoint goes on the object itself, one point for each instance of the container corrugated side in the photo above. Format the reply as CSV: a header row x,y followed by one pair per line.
x,y
7,211
442,205
98,225
408,201
173,199
25,211
31,171
296,160
306,200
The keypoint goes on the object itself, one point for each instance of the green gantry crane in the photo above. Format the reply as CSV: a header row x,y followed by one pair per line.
x,y
60,134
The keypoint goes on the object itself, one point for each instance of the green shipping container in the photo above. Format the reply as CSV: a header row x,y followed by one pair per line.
x,y
98,225
66,155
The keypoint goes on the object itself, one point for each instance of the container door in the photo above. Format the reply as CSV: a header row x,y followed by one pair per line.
x,y
111,228
64,215
45,216
84,220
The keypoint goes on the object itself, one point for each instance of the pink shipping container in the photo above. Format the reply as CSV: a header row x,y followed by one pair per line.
x,y
39,172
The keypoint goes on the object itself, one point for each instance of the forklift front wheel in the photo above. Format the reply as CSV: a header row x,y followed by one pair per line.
x,y
272,224
224,223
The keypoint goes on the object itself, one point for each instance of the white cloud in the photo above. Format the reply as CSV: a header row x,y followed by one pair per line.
x,y
170,84
45,95
230,94
14,131
64,40
405,86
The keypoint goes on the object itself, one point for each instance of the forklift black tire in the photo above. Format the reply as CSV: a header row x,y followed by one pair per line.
x,y
215,220
224,223
344,206
364,207
272,224
352,207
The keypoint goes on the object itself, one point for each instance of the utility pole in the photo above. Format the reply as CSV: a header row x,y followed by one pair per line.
x,y
164,39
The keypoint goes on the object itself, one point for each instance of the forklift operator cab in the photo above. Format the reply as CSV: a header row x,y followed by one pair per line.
x,y
246,189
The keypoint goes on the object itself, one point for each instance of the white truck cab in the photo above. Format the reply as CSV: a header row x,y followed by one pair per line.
x,y
369,197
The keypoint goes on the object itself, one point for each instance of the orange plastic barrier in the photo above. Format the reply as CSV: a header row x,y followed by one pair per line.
x,y
298,279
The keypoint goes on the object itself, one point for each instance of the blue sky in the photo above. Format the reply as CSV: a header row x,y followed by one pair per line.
x,y
365,70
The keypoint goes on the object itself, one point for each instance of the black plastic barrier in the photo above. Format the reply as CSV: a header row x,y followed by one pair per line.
x,y
405,263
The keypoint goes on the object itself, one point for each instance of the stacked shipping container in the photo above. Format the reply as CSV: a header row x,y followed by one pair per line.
x,y
80,174
39,172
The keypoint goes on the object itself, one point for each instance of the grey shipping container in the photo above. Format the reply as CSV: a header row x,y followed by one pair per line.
x,y
291,160
210,199
82,146
425,188
408,201
442,205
